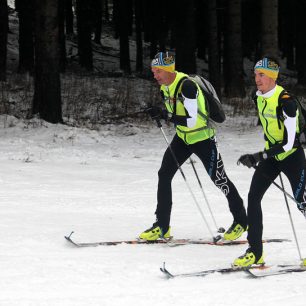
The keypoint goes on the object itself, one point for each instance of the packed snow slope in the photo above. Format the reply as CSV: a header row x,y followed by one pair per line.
x,y
101,184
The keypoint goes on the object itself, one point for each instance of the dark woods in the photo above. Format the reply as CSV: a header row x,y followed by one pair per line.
x,y
222,33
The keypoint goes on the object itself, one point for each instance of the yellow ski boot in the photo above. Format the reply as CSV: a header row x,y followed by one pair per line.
x,y
234,232
154,233
247,260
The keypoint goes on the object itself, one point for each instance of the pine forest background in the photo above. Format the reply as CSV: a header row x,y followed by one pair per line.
x,y
88,61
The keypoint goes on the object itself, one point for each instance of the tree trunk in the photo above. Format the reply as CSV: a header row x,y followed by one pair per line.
x,y
250,28
269,26
202,27
233,61
123,8
214,64
301,42
185,40
3,38
161,25
106,13
288,31
138,26
116,18
62,36
155,25
84,15
98,6
25,11
69,17
47,92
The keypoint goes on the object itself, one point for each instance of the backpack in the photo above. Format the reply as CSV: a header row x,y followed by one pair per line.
x,y
212,102
302,115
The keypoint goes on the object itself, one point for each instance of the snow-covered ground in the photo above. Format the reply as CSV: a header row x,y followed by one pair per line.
x,y
102,185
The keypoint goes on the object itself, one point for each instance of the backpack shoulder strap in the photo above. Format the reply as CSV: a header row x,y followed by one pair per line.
x,y
283,94
178,85
279,112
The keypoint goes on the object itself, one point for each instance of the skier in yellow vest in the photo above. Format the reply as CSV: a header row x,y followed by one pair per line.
x,y
193,135
278,115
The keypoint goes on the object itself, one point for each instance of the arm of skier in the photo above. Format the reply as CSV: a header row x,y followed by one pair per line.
x,y
289,113
190,94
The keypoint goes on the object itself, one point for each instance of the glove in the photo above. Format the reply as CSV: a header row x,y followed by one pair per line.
x,y
250,160
156,112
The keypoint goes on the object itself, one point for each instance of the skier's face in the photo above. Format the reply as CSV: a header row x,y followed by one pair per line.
x,y
163,77
263,82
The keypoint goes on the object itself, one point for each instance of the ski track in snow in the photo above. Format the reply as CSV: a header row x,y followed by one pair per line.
x,y
102,185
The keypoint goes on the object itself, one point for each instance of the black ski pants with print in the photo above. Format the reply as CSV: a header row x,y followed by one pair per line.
x,y
208,153
266,172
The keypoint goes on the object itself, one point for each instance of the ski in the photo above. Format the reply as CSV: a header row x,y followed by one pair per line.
x,y
254,271
265,271
177,242
198,273
112,243
170,242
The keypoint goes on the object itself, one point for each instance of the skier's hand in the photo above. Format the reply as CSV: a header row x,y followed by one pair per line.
x,y
250,160
156,112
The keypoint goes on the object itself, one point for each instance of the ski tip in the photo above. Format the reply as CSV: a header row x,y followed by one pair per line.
x,y
165,271
69,235
68,238
163,268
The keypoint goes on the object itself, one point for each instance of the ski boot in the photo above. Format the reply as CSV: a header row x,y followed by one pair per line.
x,y
247,260
234,232
154,233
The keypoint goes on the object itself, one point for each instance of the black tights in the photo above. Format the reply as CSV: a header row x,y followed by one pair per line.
x,y
207,152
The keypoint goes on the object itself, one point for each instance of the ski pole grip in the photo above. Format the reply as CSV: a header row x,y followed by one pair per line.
x,y
158,122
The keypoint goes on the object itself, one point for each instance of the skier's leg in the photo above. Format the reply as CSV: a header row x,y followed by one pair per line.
x,y
265,173
294,168
165,175
208,153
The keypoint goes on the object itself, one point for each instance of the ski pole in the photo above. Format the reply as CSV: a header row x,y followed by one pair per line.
x,y
290,217
219,229
218,237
